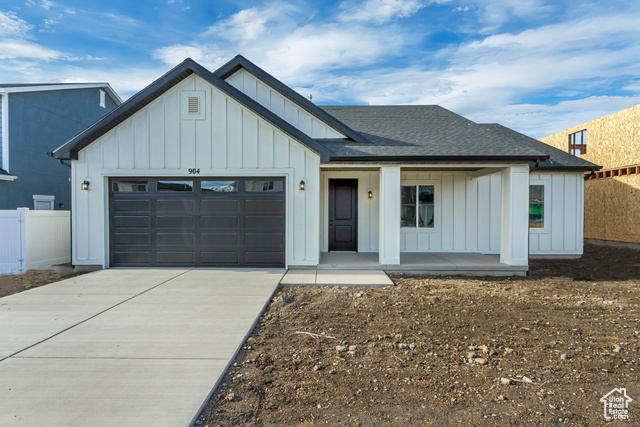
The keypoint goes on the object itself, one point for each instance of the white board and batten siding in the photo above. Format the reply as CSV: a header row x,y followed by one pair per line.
x,y
277,103
563,229
229,140
468,214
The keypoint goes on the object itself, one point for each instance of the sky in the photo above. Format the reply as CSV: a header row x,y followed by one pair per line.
x,y
536,66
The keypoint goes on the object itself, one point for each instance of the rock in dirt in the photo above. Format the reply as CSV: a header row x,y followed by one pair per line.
x,y
565,356
506,381
471,355
403,346
352,347
617,349
485,349
317,368
480,361
341,348
527,380
231,397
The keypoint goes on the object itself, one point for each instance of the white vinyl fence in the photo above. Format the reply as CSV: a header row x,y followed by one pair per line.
x,y
32,240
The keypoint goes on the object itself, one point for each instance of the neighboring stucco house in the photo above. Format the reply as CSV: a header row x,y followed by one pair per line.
x,y
234,168
612,195
35,119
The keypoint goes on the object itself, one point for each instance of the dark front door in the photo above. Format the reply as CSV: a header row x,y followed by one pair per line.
x,y
343,215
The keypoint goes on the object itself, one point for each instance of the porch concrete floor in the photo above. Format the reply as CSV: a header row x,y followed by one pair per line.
x,y
313,277
475,264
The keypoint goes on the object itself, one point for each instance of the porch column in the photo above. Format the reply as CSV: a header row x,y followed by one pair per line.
x,y
389,251
514,232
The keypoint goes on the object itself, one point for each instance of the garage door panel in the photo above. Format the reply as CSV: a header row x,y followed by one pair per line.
x,y
219,258
128,205
173,221
131,239
175,205
189,226
175,239
264,205
131,258
226,222
126,221
175,258
219,205
263,222
263,239
219,239
263,258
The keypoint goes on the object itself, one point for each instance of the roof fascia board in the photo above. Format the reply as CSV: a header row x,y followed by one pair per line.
x,y
7,178
70,149
426,159
106,86
241,62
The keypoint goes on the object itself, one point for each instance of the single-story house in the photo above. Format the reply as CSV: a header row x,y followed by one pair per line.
x,y
234,168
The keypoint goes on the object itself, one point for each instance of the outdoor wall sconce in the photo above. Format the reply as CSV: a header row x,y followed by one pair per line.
x,y
370,194
85,185
303,185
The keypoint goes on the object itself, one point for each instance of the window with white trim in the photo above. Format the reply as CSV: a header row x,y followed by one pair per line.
x,y
536,206
418,206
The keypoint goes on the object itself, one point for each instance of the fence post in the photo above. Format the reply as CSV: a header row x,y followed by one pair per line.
x,y
22,220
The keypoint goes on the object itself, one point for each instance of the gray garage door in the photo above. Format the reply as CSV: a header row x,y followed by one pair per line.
x,y
197,222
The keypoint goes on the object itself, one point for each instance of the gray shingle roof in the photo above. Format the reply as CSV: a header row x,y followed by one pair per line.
x,y
423,131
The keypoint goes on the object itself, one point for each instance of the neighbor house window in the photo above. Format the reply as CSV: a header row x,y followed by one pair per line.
x,y
536,206
418,206
220,186
578,143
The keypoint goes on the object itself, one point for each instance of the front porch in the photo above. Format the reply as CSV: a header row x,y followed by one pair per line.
x,y
468,264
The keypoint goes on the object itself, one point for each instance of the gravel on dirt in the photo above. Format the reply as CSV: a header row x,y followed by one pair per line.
x,y
544,350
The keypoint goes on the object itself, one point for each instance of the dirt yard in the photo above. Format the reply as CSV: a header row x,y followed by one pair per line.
x,y
15,283
540,350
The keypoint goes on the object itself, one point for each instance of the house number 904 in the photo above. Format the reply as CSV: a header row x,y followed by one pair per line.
x,y
194,171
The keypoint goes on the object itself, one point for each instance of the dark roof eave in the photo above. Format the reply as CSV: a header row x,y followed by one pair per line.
x,y
239,62
440,159
69,151
569,168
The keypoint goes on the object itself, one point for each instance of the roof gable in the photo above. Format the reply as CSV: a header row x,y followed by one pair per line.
x,y
240,62
143,98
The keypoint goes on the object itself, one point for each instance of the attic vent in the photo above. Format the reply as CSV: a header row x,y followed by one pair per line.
x,y
193,105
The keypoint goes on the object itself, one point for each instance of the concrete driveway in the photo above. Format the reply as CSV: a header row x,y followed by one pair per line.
x,y
124,347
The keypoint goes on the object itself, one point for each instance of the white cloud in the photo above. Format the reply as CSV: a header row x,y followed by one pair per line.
x,y
46,4
379,11
16,48
11,25
493,14
290,44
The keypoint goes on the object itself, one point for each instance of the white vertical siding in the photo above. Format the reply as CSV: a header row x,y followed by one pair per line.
x,y
231,140
269,98
368,209
562,233
468,214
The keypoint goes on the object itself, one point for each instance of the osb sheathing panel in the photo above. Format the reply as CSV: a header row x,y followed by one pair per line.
x,y
612,209
612,141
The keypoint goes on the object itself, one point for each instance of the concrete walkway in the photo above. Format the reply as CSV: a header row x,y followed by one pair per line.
x,y
371,278
124,347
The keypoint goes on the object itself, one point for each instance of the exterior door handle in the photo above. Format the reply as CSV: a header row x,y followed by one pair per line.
x,y
331,223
